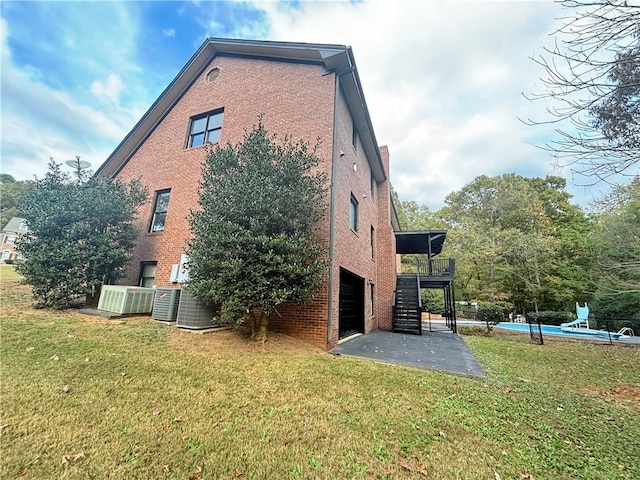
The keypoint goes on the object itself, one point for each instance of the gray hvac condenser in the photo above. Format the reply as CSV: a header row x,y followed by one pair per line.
x,y
165,305
194,314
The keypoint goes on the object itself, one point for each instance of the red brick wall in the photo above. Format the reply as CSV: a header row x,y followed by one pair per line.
x,y
386,252
352,249
296,100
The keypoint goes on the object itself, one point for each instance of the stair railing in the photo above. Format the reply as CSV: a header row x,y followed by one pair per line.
x,y
418,282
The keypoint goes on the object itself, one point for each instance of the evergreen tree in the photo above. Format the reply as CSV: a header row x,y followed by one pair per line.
x,y
254,239
80,235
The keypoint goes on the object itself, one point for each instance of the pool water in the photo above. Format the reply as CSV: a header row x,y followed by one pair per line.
x,y
554,330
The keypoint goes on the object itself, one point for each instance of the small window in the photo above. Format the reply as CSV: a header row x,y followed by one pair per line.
x,y
373,246
6,255
205,128
373,185
160,208
213,74
354,136
353,214
372,299
10,239
148,274
23,226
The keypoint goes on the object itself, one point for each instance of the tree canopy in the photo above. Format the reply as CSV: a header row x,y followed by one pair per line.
x,y
11,192
517,241
615,247
254,238
81,234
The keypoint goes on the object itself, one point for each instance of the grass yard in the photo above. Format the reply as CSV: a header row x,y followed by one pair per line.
x,y
135,399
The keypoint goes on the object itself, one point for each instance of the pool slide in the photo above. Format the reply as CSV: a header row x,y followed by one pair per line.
x,y
580,322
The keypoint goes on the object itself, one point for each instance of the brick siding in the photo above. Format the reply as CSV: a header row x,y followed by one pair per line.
x,y
296,100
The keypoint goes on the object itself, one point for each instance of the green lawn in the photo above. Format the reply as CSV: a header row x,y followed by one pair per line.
x,y
91,398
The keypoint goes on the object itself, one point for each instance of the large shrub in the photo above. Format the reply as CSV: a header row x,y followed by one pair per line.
x,y
81,234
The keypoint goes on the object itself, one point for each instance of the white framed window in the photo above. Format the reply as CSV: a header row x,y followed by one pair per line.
x,y
6,255
10,239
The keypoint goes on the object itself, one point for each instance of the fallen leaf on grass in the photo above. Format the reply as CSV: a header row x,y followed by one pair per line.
x,y
239,472
66,389
177,419
24,472
156,411
30,349
526,476
442,434
497,476
165,469
196,473
2,427
55,358
66,459
422,468
406,466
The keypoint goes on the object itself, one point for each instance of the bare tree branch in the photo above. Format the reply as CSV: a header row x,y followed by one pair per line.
x,y
591,88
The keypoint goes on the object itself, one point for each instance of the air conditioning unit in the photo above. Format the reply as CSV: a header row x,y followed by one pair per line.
x,y
126,299
165,305
195,315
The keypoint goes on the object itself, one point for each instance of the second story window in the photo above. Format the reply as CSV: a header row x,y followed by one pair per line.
x,y
205,128
354,136
353,214
160,208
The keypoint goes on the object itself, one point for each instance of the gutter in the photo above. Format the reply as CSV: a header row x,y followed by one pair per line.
x,y
332,221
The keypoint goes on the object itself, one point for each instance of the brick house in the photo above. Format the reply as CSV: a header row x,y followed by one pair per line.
x,y
11,233
307,91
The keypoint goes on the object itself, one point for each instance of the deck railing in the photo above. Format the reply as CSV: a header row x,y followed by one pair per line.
x,y
436,267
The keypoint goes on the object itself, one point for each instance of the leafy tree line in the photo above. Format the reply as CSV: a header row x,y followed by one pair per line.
x,y
520,242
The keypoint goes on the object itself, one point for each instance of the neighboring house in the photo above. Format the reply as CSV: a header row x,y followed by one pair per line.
x,y
307,91
11,233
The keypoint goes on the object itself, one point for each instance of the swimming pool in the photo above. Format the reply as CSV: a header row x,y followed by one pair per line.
x,y
554,330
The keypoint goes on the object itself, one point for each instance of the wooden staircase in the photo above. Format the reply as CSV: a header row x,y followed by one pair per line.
x,y
407,306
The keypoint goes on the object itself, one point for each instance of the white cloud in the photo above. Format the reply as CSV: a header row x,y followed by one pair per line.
x,y
169,32
42,119
109,90
443,82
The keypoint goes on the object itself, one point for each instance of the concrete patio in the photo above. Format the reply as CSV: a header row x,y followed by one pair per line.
x,y
439,350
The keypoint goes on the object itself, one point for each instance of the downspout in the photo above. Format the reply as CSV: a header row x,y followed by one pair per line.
x,y
332,204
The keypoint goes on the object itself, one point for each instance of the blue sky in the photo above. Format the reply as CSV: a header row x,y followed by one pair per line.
x,y
443,80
